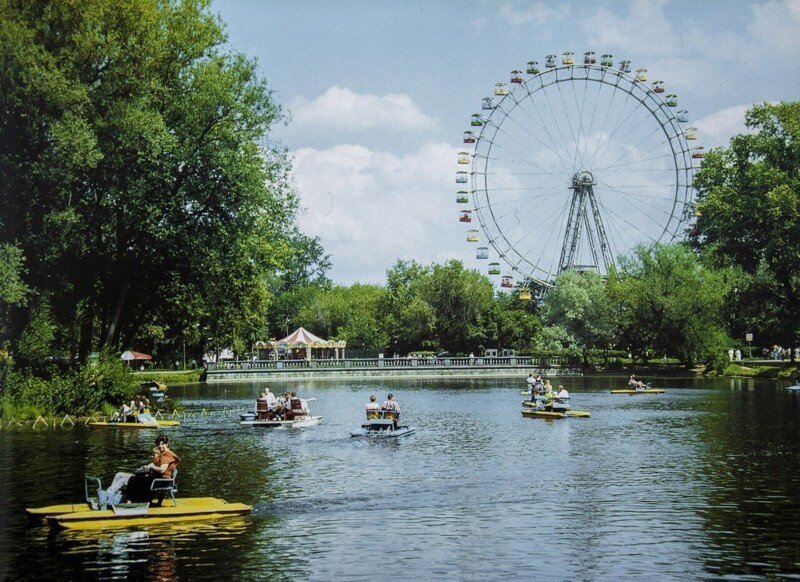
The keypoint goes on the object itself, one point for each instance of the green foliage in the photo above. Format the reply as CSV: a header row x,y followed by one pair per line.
x,y
83,391
671,304
749,219
135,176
581,306
35,345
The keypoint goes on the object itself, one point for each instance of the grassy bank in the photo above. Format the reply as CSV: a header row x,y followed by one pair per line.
x,y
778,370
170,377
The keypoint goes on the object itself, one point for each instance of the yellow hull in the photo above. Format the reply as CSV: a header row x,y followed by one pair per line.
x,y
80,517
159,424
633,391
530,413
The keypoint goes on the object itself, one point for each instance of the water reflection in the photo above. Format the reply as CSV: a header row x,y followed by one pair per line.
x,y
698,482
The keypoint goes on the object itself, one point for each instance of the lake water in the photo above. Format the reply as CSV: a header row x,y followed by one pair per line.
x,y
701,482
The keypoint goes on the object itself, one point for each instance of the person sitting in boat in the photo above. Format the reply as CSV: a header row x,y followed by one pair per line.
x,y
163,465
562,393
637,384
538,384
126,411
391,409
262,407
281,404
271,400
373,408
121,479
549,397
530,380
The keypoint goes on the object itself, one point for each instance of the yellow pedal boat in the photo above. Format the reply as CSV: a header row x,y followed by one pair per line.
x,y
80,516
116,424
535,413
641,391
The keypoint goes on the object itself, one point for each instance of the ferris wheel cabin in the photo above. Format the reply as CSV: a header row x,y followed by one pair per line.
x,y
589,58
500,89
462,197
507,281
466,216
532,68
482,253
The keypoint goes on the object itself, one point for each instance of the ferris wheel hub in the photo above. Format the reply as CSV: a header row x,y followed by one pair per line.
x,y
583,178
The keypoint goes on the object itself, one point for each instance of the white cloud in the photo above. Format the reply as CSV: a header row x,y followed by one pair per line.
x,y
774,27
370,208
341,109
717,129
538,13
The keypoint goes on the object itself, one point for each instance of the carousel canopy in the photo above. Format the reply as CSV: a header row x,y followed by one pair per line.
x,y
302,338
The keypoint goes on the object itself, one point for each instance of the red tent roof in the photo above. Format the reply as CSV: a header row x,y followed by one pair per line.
x,y
129,355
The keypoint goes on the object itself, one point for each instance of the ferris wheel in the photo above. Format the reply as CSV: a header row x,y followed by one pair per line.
x,y
570,165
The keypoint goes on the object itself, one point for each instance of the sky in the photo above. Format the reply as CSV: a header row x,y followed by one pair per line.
x,y
378,94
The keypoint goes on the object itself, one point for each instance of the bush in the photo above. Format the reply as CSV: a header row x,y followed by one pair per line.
x,y
84,391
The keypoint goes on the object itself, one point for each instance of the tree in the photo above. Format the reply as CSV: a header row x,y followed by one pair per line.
x,y
409,319
461,300
512,323
749,219
13,291
581,306
669,303
134,173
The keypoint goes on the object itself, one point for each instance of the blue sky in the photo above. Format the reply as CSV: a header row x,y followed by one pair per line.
x,y
379,93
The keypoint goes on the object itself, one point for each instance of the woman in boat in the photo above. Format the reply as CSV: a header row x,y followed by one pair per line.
x,y
121,479
162,467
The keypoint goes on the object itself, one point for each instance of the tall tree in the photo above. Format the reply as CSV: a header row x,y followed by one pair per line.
x,y
134,174
749,218
461,300
669,303
580,304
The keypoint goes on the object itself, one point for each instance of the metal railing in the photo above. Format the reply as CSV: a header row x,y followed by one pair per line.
x,y
537,361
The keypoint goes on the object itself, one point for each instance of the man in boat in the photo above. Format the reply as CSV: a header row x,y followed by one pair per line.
x,y
162,467
562,393
271,400
391,409
373,408
637,384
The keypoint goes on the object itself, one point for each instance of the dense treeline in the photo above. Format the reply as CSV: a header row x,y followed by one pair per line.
x,y
143,206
